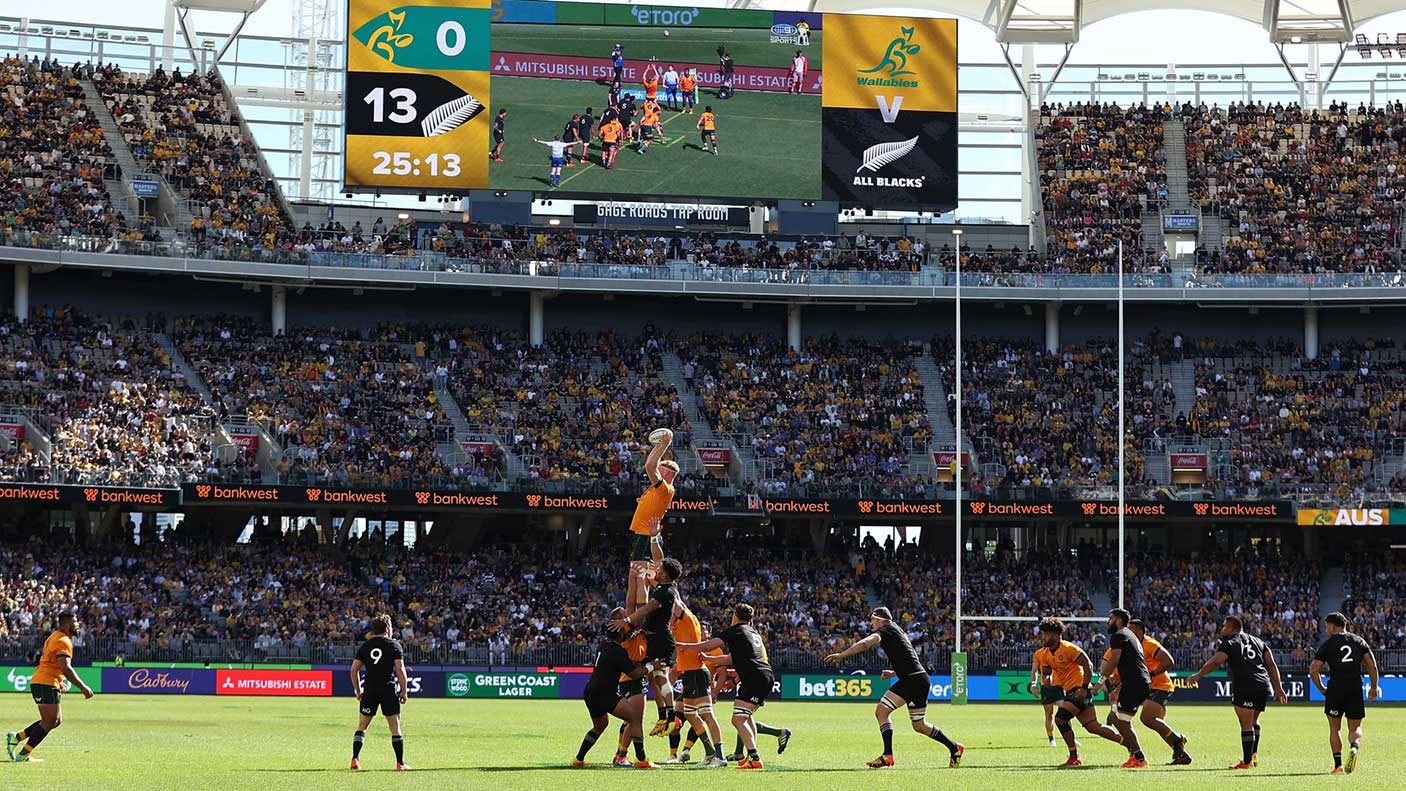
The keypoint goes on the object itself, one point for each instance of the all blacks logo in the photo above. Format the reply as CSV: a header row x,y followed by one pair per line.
x,y
785,34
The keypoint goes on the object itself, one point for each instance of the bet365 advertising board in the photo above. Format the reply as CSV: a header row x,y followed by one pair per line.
x,y
444,96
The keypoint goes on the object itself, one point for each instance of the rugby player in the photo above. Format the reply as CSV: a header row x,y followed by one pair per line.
x,y
498,135
747,655
585,130
559,149
697,693
615,689
654,615
610,134
650,81
1343,654
1125,658
571,135
911,689
649,125
384,662
708,129
1072,672
647,523
55,665
1154,711
1253,676
688,87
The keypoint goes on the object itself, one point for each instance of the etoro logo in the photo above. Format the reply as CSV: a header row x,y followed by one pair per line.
x,y
651,15
1089,508
202,490
865,506
1201,508
894,64
314,495
91,495
978,507
534,500
422,497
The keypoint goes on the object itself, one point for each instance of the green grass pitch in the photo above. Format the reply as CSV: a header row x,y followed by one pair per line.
x,y
122,742
683,45
769,144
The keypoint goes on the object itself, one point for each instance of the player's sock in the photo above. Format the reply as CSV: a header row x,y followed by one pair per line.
x,y
886,731
692,738
674,743
1138,755
1247,745
586,745
398,744
1337,760
357,740
767,730
34,734
738,749
639,748
1352,745
938,736
1257,740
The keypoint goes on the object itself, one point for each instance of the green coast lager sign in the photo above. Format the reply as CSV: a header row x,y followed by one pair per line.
x,y
503,685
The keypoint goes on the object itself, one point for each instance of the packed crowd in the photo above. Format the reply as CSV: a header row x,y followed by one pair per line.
x,y
344,406
115,407
577,409
1050,420
1289,423
1300,191
1101,167
837,413
1375,585
53,157
1184,600
181,126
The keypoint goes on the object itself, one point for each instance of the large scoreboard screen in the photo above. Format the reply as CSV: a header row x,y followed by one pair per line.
x,y
635,101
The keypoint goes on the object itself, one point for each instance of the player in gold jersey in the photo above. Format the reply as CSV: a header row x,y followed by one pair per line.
x,y
648,520
1073,673
55,665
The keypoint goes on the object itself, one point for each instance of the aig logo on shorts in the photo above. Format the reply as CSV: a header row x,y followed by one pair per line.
x,y
458,685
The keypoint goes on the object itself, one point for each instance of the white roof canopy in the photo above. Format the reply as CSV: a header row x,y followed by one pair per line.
x,y
1059,21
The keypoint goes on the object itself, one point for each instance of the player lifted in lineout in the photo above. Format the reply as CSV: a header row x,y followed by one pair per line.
x,y
384,662
910,690
650,508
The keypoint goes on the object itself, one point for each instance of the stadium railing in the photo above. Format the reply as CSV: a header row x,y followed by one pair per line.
x,y
427,261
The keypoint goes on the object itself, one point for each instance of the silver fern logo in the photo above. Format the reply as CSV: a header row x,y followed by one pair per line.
x,y
876,157
450,115
882,155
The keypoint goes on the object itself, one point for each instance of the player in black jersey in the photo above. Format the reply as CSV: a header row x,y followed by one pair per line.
x,y
655,616
746,654
384,662
1134,682
568,136
1343,654
499,135
1253,675
911,689
603,698
585,130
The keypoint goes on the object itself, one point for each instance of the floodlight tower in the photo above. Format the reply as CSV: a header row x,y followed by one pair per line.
x,y
312,66
179,10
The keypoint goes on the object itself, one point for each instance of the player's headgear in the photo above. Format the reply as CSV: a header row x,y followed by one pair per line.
x,y
670,464
1337,619
1052,624
881,613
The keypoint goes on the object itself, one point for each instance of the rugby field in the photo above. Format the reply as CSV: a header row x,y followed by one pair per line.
x,y
123,742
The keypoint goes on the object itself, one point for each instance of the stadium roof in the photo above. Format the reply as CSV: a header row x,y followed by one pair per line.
x,y
1059,21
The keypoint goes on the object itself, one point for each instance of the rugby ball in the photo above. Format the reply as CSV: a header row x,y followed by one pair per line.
x,y
666,34
659,435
